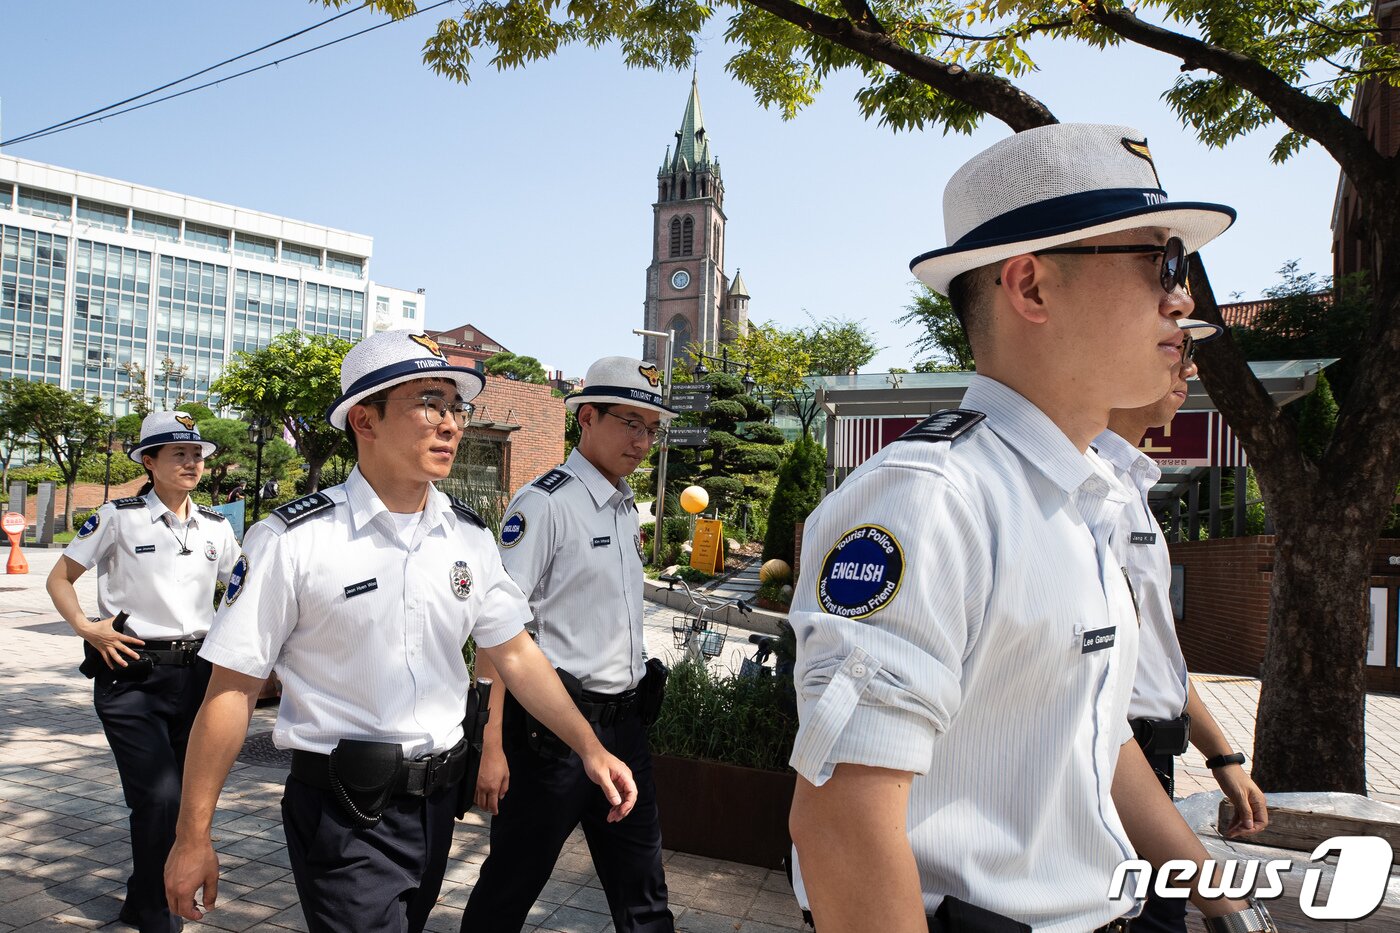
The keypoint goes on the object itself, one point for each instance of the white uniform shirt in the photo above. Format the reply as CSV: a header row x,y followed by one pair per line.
x,y
366,631
1159,691
135,545
961,615
572,542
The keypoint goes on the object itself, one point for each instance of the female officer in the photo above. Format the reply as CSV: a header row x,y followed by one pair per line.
x,y
157,556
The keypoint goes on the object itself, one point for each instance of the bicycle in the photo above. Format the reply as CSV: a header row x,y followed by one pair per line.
x,y
698,630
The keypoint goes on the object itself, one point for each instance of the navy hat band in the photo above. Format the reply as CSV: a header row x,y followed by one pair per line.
x,y
172,437
1063,213
640,395
394,371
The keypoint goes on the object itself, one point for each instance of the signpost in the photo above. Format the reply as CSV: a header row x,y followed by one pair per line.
x,y
12,523
705,552
688,437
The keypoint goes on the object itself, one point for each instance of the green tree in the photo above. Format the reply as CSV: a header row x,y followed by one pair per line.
x,y
13,431
135,390
234,453
1288,67
801,483
780,359
292,381
518,368
837,346
68,426
943,342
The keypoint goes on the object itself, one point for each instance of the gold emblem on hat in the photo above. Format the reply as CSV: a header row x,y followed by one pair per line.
x,y
652,374
423,340
185,420
1138,147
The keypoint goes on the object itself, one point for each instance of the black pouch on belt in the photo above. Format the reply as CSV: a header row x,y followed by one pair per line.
x,y
137,669
363,777
537,736
651,692
474,729
955,916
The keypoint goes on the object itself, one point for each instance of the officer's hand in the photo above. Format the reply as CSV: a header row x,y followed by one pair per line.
x,y
1251,809
114,646
615,778
191,866
493,780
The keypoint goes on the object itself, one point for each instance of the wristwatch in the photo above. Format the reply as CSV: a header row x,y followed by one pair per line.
x,y
1253,919
1220,761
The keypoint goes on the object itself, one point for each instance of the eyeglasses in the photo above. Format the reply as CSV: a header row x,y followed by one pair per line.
x,y
1176,262
638,431
1188,348
435,409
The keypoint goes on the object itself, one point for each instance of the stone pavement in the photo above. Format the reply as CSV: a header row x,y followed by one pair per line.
x,y
64,854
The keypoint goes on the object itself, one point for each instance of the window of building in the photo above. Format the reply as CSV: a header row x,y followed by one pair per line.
x,y
301,255
45,204
687,236
410,310
684,336
106,216
210,237
112,304
33,269
263,307
260,247
189,328
342,264
154,225
7,196
381,306
675,236
329,310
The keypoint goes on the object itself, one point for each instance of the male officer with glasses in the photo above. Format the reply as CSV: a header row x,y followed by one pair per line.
x,y
1166,713
966,636
571,541
362,596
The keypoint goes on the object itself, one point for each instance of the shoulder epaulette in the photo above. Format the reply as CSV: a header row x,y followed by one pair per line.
x,y
299,510
215,514
130,502
944,425
465,511
553,480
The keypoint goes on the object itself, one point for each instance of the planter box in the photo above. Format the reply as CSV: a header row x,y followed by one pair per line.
x,y
724,811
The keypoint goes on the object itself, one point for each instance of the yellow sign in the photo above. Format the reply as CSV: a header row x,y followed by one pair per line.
x,y
706,551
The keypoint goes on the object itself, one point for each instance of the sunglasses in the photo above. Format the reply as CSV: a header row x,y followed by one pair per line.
x,y
1188,348
1176,262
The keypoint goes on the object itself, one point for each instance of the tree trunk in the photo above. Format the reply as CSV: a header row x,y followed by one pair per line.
x,y
313,473
68,501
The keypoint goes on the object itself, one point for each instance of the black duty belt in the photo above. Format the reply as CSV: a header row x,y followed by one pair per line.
x,y
420,777
605,709
1163,736
1120,925
180,653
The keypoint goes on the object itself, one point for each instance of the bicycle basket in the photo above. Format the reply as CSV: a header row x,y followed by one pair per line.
x,y
711,643
680,628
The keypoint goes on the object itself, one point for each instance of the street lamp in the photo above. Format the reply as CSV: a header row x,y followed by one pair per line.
x,y
670,337
257,434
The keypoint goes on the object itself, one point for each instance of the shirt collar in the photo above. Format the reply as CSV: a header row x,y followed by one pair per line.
x,y
595,482
158,510
1128,460
1030,431
365,503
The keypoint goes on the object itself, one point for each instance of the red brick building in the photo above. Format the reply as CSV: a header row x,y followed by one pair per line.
x,y
517,433
466,345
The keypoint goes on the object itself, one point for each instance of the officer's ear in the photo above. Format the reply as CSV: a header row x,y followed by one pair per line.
x,y
361,420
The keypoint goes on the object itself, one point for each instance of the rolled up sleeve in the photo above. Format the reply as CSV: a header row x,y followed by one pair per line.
x,y
877,687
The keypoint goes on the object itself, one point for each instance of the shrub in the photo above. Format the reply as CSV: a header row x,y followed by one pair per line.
x,y
801,480
750,722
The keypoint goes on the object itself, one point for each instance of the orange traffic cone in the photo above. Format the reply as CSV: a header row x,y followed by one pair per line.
x,y
12,523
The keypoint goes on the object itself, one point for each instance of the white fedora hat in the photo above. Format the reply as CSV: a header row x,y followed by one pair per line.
x,y
1200,331
621,380
1053,185
170,427
389,358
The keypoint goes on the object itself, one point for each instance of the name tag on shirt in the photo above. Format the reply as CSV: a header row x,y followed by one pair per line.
x,y
365,586
146,549
604,541
1098,639
1143,537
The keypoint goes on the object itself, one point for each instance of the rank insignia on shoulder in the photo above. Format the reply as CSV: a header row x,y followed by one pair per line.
x,y
90,525
215,514
944,425
552,480
465,511
299,510
130,502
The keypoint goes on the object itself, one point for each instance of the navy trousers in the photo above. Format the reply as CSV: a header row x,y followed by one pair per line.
x,y
148,727
1162,914
547,798
380,879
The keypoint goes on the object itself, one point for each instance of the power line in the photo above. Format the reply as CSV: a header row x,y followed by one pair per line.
x,y
97,116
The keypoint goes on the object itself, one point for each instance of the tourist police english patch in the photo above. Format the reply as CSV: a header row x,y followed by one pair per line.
x,y
236,580
90,525
861,573
512,530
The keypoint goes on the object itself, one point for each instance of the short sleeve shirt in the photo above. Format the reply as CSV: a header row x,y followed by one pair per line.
x,y
1159,689
365,630
572,542
961,615
135,544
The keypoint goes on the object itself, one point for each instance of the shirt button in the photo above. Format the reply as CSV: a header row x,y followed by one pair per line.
x,y
858,670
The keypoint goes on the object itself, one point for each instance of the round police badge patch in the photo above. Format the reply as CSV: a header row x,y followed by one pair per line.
x,y
637,540
90,525
210,551
236,580
512,530
861,573
461,577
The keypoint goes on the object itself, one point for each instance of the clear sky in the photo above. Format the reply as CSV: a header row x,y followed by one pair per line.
x,y
522,202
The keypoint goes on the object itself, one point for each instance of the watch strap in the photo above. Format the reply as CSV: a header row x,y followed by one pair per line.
x,y
1220,761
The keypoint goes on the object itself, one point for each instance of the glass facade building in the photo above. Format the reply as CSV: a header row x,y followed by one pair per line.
x,y
125,281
